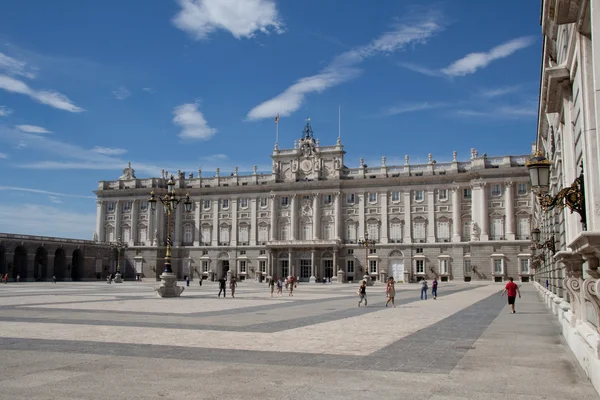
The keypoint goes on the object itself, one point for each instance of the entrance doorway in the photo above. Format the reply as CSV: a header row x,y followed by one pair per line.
x,y
305,270
328,266
285,268
397,270
224,268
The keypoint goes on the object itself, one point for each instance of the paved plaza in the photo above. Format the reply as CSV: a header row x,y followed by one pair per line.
x,y
92,340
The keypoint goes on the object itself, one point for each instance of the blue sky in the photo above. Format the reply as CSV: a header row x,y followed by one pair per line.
x,y
188,84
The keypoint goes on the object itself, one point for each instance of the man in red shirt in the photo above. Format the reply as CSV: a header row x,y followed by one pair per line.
x,y
512,289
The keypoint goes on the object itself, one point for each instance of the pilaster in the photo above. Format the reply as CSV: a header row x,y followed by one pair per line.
x,y
407,218
152,216
234,222
134,222
431,223
313,271
361,216
177,229
118,230
215,223
197,205
509,199
456,220
316,216
100,220
253,222
338,215
294,216
384,217
272,235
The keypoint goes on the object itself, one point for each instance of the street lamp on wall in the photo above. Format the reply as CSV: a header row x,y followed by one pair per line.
x,y
168,286
572,196
549,244
118,245
366,244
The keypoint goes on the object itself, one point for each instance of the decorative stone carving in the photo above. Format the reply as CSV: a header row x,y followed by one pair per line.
x,y
128,173
591,292
383,161
294,165
275,167
474,231
573,286
406,159
180,174
95,237
155,239
454,156
337,163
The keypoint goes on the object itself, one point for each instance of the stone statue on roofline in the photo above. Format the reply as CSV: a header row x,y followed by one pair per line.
x,y
128,173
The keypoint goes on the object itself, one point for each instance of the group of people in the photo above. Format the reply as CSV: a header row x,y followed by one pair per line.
x,y
223,286
290,284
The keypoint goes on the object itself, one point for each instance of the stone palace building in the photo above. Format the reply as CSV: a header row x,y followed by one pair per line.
x,y
308,218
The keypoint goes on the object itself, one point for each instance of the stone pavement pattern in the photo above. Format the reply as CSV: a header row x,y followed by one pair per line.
x,y
97,341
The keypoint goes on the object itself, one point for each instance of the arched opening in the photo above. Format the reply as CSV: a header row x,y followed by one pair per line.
x,y
2,260
40,265
60,264
20,263
77,265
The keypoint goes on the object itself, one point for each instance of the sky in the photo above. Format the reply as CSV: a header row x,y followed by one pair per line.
x,y
185,84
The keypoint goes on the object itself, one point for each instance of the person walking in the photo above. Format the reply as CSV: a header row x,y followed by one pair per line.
x,y
222,287
292,283
362,292
53,278
272,285
434,286
232,286
511,289
391,292
279,287
424,289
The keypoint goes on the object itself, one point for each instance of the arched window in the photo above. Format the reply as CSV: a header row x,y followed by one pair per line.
x,y
351,231
188,234
244,233
224,234
395,230
263,233
205,232
419,230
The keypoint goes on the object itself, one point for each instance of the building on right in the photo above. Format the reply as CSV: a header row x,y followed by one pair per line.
x,y
565,175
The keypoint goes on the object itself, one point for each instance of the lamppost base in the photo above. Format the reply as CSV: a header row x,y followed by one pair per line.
x,y
168,286
118,278
312,279
368,279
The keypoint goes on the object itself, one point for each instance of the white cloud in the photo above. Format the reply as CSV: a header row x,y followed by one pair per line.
x,y
149,90
192,122
40,191
344,67
500,91
420,69
52,99
15,67
505,112
408,108
32,129
108,151
3,156
45,220
121,93
5,111
242,18
470,63
55,200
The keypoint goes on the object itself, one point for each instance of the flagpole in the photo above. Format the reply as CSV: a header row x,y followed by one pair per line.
x,y
339,122
277,131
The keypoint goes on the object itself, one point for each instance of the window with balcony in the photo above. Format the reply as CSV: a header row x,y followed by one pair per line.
x,y
284,232
263,233
372,197
523,229
443,231
188,235
496,190
224,234
328,231
126,233
467,194
225,204
244,203
206,204
284,201
419,231
306,232
420,266
327,199
497,229
143,233
264,202
350,198
395,232
351,233
373,229
206,231
466,230
395,196
419,195
522,189
244,235
443,194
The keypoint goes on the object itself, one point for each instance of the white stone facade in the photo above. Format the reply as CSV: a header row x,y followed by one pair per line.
x,y
568,137
455,220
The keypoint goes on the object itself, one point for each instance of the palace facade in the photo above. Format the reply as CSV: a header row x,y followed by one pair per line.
x,y
458,220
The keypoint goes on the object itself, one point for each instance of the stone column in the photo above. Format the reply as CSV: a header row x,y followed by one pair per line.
x,y
234,222
253,222
313,278
407,218
100,220
215,223
509,198
197,205
152,226
177,229
361,216
485,220
293,216
456,220
272,235
134,222
431,223
316,217
117,220
384,217
338,216
290,263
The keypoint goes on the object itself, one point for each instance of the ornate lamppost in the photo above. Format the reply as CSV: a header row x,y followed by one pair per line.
x,y
168,280
366,244
548,244
572,196
118,245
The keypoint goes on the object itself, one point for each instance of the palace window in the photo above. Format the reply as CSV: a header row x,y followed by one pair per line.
x,y
306,232
242,267
126,206
244,230
262,266
523,229
373,229
372,250
420,265
284,231
419,250
467,194
263,233
466,232
206,204
443,230
496,190
328,231
418,195
204,266
204,252
443,266
395,196
525,262
262,252
373,266
143,205
188,234
522,189
467,265
126,233
372,197
110,206
350,198
225,204
284,201
264,202
327,199
419,230
443,194
497,229
498,266
350,266
395,231
143,233
224,234
351,233
206,231
244,203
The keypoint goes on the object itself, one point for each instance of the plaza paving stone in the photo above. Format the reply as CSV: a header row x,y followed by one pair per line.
x,y
90,340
